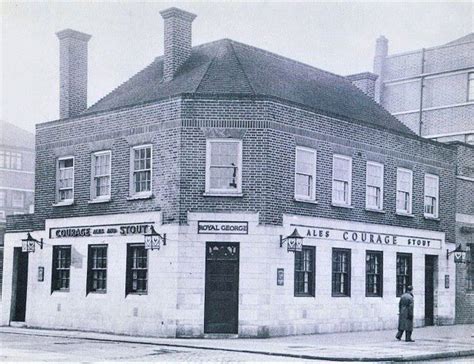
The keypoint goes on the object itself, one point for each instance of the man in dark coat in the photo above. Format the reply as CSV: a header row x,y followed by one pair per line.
x,y
405,315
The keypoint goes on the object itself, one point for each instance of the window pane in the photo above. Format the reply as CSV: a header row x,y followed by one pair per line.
x,y
304,272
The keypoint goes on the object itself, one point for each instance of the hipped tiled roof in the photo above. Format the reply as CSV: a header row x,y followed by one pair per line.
x,y
226,67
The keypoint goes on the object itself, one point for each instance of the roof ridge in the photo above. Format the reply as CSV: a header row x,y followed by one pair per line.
x,y
279,56
207,69
242,67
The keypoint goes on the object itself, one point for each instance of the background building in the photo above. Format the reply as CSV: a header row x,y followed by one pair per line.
x,y
17,164
226,149
431,90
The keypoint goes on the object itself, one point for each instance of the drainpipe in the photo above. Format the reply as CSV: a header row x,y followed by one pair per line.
x,y
422,80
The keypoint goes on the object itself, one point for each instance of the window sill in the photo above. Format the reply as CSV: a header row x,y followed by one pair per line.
x,y
298,199
99,200
222,194
96,293
375,210
140,197
334,204
59,292
428,217
404,214
340,295
373,296
134,294
63,203
304,295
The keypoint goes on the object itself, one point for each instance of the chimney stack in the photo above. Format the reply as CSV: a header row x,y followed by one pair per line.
x,y
178,40
381,52
72,72
365,82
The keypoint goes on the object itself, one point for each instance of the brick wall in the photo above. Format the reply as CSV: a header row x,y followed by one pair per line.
x,y
270,132
465,219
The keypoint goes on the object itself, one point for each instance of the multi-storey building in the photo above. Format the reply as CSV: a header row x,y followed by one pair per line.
x,y
17,160
431,91
229,152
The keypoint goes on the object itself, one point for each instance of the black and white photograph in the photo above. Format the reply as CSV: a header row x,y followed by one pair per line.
x,y
236,181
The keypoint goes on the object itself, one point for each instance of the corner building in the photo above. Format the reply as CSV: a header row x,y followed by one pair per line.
x,y
225,148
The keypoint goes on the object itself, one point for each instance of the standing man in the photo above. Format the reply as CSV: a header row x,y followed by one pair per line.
x,y
405,315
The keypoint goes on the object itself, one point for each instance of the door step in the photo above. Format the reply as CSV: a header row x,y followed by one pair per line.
x,y
221,336
17,324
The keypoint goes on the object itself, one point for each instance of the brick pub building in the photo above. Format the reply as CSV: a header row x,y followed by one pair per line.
x,y
226,148
431,90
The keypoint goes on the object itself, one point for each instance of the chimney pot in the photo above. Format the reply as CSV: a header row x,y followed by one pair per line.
x,y
72,72
178,40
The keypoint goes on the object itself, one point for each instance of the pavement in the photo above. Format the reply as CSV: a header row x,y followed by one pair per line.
x,y
434,342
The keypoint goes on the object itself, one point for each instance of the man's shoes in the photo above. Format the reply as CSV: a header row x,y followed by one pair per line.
x,y
398,338
410,341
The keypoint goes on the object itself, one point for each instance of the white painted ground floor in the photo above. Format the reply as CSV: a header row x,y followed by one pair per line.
x,y
225,274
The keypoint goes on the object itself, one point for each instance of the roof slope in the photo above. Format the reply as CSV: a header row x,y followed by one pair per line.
x,y
14,136
465,39
228,67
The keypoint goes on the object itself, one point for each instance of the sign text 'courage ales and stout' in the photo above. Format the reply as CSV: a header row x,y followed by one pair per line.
x,y
100,230
369,237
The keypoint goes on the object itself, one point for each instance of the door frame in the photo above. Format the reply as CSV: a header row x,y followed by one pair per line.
x,y
17,253
236,328
433,260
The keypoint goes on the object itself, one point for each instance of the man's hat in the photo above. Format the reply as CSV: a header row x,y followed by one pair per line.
x,y
410,288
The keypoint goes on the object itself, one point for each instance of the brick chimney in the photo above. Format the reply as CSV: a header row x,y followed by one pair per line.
x,y
178,40
365,82
381,52
72,72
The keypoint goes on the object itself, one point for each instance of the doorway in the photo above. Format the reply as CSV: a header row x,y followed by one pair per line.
x,y
19,285
221,303
431,265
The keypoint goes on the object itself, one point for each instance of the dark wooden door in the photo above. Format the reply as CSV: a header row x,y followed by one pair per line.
x,y
221,305
430,266
20,284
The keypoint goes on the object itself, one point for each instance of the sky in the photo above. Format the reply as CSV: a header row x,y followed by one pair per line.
x,y
126,36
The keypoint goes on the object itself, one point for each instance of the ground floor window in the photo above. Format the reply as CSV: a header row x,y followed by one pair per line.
x,y
61,267
97,269
137,269
404,272
470,267
341,272
304,271
373,273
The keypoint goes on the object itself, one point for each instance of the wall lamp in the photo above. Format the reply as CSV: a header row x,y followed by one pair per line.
x,y
153,240
28,244
459,254
294,241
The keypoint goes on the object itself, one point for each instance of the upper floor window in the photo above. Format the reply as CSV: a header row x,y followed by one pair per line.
x,y
404,190
65,179
101,175
470,87
224,166
341,180
431,195
141,170
305,173
10,160
374,186
61,268
18,199
304,272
